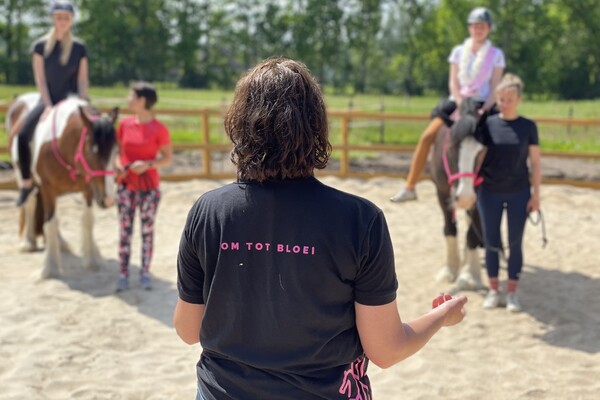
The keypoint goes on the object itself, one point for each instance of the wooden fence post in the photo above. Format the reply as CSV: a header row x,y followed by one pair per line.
x,y
206,142
344,163
381,122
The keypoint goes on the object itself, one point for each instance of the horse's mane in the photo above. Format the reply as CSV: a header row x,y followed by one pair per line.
x,y
103,136
468,122
462,128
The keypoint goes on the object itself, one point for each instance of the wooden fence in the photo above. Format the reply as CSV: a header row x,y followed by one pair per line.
x,y
344,148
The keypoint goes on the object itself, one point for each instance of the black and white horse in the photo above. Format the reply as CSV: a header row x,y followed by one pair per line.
x,y
454,172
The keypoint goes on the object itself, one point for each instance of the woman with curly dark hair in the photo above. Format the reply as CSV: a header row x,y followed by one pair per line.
x,y
278,124
289,284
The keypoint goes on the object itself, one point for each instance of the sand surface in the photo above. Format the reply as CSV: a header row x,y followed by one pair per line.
x,y
74,338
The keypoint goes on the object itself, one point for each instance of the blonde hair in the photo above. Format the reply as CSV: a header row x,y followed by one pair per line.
x,y
66,45
510,81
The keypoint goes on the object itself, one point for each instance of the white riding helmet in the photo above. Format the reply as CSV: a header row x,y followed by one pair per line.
x,y
480,14
62,6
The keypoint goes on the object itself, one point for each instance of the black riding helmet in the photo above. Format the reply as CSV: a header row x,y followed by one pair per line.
x,y
480,14
62,6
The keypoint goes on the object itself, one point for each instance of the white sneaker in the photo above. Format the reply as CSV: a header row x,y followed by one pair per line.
x,y
404,195
492,299
512,303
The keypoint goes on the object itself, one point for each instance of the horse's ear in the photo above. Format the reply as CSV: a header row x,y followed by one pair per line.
x,y
86,119
113,115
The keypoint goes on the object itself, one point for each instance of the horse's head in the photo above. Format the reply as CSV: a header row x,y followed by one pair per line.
x,y
99,152
463,138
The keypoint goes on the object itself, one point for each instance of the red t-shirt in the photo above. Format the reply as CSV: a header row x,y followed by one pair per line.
x,y
141,142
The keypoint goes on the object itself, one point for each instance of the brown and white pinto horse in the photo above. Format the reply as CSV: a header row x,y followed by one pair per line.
x,y
453,169
72,151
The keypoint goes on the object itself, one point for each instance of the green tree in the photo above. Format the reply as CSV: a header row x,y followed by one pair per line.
x,y
362,26
316,36
189,26
578,49
403,42
126,40
15,39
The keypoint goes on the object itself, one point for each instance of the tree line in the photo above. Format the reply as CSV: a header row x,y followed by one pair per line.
x,y
352,46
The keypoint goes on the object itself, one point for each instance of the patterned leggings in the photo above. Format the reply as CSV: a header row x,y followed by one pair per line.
x,y
128,201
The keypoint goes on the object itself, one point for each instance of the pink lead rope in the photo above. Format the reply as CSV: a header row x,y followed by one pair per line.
x,y
79,157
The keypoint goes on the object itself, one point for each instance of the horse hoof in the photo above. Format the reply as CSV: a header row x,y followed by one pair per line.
x,y
27,247
93,264
468,282
49,273
446,275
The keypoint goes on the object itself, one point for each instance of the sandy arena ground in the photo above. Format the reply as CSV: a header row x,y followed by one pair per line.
x,y
74,338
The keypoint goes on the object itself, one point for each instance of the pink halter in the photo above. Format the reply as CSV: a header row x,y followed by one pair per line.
x,y
79,156
477,180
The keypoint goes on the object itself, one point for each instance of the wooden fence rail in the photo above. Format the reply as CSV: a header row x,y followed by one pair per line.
x,y
344,148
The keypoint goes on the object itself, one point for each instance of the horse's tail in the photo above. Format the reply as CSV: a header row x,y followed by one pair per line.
x,y
21,221
16,113
8,121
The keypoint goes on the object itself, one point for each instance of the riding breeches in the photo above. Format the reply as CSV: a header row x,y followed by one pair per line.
x,y
127,202
491,206
24,138
421,153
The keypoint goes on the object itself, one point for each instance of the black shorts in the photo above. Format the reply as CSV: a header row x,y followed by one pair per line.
x,y
446,107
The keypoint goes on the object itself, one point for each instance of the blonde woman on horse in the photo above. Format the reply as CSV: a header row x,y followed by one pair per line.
x,y
476,67
60,68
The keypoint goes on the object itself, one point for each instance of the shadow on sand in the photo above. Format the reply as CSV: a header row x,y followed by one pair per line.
x,y
157,303
567,303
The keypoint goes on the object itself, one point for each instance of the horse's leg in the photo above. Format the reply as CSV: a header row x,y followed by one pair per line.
x,y
27,232
27,222
63,244
450,271
91,255
470,275
52,257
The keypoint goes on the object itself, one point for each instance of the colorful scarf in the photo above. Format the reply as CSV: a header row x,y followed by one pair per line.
x,y
471,79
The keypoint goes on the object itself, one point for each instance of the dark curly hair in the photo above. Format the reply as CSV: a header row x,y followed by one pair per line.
x,y
278,123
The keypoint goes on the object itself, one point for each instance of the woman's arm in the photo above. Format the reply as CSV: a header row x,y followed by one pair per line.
x,y
187,320
386,340
165,158
454,84
40,79
118,165
496,77
536,175
83,82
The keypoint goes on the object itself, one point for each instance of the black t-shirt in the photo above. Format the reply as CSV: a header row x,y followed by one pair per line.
x,y
504,168
61,79
279,266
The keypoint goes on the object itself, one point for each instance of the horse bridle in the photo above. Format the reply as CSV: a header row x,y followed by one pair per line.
x,y
79,155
